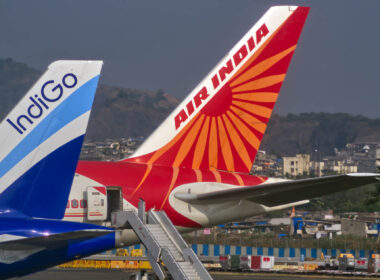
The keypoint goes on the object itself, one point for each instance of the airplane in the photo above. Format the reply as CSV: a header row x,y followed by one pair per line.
x,y
40,143
196,165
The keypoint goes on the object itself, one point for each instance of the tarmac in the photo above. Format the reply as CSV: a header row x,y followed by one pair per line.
x,y
84,274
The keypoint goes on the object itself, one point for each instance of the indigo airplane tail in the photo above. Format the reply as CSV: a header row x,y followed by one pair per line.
x,y
41,139
221,123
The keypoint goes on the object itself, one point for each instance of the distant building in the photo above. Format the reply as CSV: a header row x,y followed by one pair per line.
x,y
298,165
378,157
110,149
365,154
317,168
340,167
267,165
333,165
353,227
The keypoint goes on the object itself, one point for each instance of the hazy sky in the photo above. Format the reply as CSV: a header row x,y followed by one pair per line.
x,y
172,45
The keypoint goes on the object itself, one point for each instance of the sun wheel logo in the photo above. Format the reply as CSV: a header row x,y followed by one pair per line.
x,y
50,92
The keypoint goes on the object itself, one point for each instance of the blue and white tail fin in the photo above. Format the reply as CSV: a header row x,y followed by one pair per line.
x,y
41,139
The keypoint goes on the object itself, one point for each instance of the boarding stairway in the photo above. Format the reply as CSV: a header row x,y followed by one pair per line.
x,y
163,243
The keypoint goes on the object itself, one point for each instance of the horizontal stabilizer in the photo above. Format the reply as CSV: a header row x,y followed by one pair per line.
x,y
279,193
55,240
16,248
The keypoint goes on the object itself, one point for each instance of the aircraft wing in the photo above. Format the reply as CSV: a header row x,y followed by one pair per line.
x,y
15,248
14,242
279,193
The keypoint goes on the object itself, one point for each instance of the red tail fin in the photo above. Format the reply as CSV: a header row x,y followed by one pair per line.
x,y
221,123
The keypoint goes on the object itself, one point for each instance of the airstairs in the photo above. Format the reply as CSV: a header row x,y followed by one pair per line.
x,y
163,242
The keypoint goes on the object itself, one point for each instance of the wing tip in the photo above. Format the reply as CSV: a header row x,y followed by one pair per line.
x,y
363,175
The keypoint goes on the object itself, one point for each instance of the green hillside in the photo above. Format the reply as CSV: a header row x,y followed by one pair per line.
x,y
122,112
303,133
15,79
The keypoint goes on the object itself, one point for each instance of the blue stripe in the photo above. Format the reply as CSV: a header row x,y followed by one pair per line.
x,y
227,249
292,252
43,190
74,106
281,252
314,253
216,250
238,250
195,248
303,251
270,252
249,251
324,251
362,253
205,250
260,251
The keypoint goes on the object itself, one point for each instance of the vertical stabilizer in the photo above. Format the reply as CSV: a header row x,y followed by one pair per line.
x,y
221,123
41,139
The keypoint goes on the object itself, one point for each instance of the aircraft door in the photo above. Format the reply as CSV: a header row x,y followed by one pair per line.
x,y
114,200
97,203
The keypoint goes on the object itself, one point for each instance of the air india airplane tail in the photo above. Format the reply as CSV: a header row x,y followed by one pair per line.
x,y
194,166
41,139
221,123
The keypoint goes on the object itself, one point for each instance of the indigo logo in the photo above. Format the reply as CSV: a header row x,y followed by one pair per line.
x,y
50,92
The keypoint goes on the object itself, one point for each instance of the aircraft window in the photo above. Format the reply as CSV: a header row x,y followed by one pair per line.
x,y
74,203
83,203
